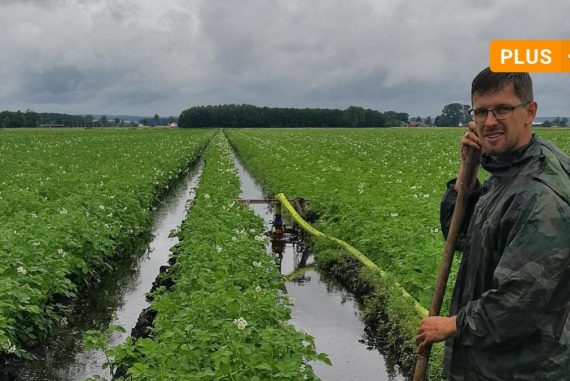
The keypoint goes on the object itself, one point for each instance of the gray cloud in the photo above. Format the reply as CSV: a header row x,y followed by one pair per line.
x,y
143,56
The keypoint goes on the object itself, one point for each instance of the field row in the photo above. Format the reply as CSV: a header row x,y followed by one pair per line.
x,y
226,316
69,200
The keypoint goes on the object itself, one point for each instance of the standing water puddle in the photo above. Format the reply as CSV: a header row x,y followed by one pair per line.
x,y
120,293
322,309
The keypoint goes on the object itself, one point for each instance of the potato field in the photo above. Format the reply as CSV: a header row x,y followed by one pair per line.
x,y
72,201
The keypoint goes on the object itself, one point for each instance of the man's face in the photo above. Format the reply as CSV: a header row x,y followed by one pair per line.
x,y
499,137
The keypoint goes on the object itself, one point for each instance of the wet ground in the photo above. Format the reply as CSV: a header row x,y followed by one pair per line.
x,y
120,293
322,309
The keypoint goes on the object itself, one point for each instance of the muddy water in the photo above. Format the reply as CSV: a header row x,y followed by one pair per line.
x,y
120,293
323,310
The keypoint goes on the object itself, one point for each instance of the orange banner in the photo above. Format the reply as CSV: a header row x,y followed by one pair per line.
x,y
530,55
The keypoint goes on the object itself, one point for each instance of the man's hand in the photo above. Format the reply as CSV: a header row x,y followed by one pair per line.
x,y
434,329
470,139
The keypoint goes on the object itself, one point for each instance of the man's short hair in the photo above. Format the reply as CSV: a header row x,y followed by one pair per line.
x,y
487,82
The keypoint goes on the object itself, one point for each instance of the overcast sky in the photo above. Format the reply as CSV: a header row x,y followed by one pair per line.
x,y
142,57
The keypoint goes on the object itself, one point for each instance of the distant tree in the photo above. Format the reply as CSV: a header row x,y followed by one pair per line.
x,y
12,119
453,115
144,122
428,121
20,119
563,122
171,119
396,118
31,119
354,115
156,118
117,121
372,118
6,122
104,121
546,123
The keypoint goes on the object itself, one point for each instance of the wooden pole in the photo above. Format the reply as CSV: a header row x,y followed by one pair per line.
x,y
464,188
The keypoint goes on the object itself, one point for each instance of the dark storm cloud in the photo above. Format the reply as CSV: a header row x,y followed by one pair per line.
x,y
57,84
143,56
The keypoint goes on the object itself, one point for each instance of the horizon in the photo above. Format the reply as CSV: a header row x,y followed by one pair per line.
x,y
165,116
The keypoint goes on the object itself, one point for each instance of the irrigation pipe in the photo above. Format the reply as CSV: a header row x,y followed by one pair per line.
x,y
422,311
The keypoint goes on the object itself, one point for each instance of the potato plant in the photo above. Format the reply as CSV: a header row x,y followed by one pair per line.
x,y
69,200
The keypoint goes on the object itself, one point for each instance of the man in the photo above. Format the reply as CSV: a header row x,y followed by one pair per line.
x,y
510,305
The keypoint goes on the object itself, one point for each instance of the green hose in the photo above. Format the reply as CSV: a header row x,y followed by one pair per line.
x,y
422,311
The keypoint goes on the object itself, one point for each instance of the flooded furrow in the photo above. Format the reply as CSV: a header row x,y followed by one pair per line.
x,y
322,308
120,294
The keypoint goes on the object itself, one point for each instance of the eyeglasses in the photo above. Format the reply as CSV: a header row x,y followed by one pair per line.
x,y
500,112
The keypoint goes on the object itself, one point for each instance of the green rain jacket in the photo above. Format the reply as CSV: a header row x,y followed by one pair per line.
x,y
512,293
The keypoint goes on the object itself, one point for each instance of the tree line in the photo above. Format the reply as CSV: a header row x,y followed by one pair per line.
x,y
244,115
18,119
232,115
556,122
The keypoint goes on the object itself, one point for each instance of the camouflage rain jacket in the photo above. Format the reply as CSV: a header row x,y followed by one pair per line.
x,y
512,294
